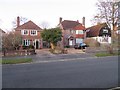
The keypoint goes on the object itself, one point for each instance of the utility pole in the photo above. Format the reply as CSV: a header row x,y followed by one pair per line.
x,y
113,23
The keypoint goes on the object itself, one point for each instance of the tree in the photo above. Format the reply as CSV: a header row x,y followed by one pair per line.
x,y
22,21
107,12
52,36
11,40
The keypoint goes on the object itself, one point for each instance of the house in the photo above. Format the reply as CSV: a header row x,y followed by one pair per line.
x,y
72,32
100,33
30,33
1,31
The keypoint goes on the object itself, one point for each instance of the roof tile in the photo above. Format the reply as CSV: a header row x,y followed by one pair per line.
x,y
29,25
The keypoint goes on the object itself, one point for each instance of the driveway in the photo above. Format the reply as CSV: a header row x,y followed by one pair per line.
x,y
44,55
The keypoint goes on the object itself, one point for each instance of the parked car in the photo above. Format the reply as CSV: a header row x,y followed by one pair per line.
x,y
80,46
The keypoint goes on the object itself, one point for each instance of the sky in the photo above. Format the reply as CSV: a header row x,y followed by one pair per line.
x,y
48,11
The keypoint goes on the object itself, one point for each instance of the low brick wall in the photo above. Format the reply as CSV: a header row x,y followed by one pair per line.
x,y
19,53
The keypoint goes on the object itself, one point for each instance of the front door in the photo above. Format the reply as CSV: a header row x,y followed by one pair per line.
x,y
37,44
70,42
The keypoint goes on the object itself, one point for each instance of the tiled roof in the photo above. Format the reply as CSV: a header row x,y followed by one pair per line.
x,y
29,25
79,27
67,24
94,30
2,31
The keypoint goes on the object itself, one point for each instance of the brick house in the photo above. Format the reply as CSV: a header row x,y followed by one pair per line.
x,y
72,32
100,33
30,33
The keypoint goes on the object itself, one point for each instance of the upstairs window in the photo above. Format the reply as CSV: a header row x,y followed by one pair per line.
x,y
24,32
79,32
105,31
33,32
72,31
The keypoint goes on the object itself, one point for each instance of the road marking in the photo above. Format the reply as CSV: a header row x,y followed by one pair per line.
x,y
62,60
59,60
49,61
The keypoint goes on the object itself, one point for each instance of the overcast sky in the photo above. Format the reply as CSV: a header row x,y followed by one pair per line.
x,y
46,11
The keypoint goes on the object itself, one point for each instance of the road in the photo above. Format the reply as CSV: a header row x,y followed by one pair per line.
x,y
76,73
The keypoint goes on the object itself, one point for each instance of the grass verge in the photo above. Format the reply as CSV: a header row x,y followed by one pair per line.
x,y
15,61
106,54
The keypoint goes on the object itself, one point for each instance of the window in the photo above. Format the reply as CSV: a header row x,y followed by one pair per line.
x,y
79,31
26,42
71,31
79,40
105,31
33,32
24,32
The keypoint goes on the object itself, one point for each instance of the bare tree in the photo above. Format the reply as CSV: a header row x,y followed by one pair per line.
x,y
11,40
22,21
107,12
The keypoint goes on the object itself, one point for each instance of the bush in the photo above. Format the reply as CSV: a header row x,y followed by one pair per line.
x,y
109,49
92,42
25,47
30,47
67,47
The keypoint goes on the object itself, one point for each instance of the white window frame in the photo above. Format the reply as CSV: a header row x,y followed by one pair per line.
x,y
79,32
23,32
27,42
32,32
105,31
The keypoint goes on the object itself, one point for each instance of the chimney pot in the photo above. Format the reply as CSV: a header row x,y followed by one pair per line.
x,y
83,21
78,21
60,19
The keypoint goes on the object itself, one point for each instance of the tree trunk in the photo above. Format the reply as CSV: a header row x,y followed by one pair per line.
x,y
52,46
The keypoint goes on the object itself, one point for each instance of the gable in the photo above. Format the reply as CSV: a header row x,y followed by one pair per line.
x,y
29,25
79,27
95,30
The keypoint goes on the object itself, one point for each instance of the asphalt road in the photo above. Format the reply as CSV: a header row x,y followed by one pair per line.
x,y
82,73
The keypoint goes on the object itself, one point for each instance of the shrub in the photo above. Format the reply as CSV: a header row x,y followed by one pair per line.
x,y
25,47
31,47
67,47
92,42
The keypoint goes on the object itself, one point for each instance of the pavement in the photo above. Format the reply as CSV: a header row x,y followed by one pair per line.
x,y
44,55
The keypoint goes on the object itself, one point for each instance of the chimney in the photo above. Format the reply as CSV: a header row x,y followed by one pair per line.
x,y
18,21
83,21
60,19
78,21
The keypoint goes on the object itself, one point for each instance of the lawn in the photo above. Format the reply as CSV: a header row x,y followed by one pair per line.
x,y
106,54
15,61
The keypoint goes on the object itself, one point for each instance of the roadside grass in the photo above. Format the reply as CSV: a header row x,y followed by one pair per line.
x,y
15,61
103,54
